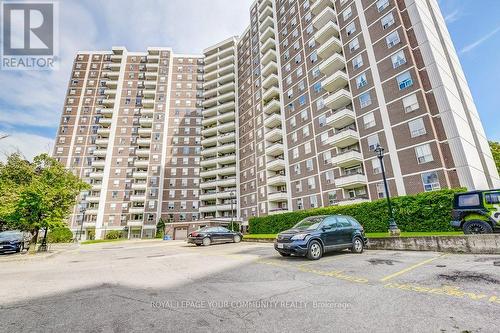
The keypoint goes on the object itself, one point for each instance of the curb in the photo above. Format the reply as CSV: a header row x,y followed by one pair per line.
x,y
473,244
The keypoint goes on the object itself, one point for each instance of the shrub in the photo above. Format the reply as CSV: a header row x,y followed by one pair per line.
x,y
59,235
114,234
428,211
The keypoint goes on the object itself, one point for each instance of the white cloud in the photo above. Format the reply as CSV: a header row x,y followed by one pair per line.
x,y
453,16
28,145
480,41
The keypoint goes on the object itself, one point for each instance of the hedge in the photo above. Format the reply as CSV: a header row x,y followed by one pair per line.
x,y
423,212
60,235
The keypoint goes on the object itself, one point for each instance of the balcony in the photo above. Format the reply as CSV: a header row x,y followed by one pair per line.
x,y
116,58
268,33
333,64
270,94
144,132
140,174
226,159
273,120
139,186
152,67
96,175
268,57
270,81
146,122
335,81
276,180
143,142
148,102
134,223
263,5
226,127
330,47
320,5
341,118
230,181
92,198
138,197
208,196
107,112
104,132
268,45
352,201
149,93
351,181
100,152
209,142
136,210
273,106
227,171
226,117
102,142
274,135
277,196
209,173
348,159
276,165
270,68
209,131
151,75
91,211
98,163
141,163
275,149
325,17
344,138
111,83
268,20
208,209
338,99
110,92
227,148
327,31
142,152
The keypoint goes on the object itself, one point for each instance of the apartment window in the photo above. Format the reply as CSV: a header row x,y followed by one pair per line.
x,y
347,13
295,152
305,131
294,137
365,99
309,165
290,93
398,59
387,21
298,186
424,154
322,120
354,44
311,183
410,103
296,168
314,201
329,176
327,156
303,115
361,81
357,62
324,137
417,127
316,72
369,120
300,204
350,29
307,148
380,190
404,80
302,100
430,180
376,167
382,4
392,39
313,57
373,142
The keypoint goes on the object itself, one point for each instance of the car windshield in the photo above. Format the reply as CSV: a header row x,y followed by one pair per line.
x,y
10,234
309,223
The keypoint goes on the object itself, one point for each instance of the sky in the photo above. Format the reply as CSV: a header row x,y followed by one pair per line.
x,y
31,101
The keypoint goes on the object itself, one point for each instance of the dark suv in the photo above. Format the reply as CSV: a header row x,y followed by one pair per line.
x,y
316,235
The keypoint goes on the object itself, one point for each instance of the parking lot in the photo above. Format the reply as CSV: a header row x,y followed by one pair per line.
x,y
166,286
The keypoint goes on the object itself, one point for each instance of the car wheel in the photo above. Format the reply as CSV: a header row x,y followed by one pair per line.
x,y
357,245
237,239
477,227
284,254
20,248
206,241
315,251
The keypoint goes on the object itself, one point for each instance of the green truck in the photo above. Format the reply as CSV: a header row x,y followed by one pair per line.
x,y
477,212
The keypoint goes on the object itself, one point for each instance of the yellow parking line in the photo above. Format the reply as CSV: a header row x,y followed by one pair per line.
x,y
388,277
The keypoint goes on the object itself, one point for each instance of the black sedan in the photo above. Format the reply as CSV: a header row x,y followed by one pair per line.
x,y
13,241
209,235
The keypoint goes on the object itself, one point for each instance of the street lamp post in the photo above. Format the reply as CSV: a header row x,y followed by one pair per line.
x,y
232,211
82,210
393,227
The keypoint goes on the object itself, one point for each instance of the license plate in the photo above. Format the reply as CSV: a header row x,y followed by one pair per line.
x,y
280,246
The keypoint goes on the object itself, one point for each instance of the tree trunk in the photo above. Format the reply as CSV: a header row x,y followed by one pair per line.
x,y
33,241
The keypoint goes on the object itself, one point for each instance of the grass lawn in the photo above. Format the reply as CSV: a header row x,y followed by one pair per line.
x,y
375,234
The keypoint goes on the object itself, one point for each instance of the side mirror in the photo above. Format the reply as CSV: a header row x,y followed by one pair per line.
x,y
327,227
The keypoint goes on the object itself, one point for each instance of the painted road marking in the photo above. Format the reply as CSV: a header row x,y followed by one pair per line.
x,y
388,277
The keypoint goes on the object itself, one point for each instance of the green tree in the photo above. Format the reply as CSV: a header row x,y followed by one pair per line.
x,y
37,195
495,150
160,228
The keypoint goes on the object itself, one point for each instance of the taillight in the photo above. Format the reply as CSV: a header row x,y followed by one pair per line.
x,y
194,234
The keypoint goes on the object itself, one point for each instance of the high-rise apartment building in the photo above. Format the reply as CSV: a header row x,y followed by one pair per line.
x,y
285,117
131,128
